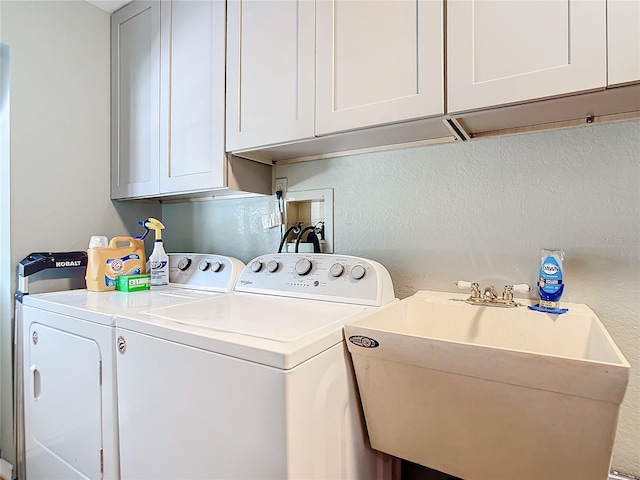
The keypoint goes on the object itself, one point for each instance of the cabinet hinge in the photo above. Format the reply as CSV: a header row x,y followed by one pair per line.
x,y
457,129
101,460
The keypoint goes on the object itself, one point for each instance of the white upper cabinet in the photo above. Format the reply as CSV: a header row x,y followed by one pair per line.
x,y
623,25
378,62
135,84
270,72
305,68
192,155
168,110
501,52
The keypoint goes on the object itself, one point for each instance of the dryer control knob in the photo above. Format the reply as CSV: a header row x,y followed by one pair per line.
x,y
357,272
184,263
216,266
256,266
272,266
203,265
303,266
336,270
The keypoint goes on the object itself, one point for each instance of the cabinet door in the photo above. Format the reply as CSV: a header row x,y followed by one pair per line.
x,y
192,96
623,29
378,61
135,99
501,52
270,72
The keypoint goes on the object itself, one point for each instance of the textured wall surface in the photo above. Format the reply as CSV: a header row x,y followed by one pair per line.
x,y
476,211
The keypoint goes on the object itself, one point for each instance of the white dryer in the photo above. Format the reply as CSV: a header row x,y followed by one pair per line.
x,y
70,407
253,385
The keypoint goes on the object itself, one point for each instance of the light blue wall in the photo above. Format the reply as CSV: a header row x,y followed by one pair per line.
x,y
227,227
477,211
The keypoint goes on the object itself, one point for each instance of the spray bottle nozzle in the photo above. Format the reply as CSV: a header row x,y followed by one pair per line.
x,y
156,225
146,230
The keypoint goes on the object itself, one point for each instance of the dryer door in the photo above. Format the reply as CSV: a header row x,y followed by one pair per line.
x,y
63,430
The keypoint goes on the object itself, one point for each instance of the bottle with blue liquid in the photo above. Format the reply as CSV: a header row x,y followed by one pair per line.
x,y
550,278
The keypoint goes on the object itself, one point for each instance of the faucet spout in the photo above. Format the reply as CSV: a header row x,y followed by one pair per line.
x,y
490,294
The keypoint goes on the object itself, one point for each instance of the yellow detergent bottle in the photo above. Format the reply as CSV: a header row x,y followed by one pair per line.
x,y
123,256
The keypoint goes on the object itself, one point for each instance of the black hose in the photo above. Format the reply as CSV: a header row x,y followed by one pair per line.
x,y
313,238
299,237
294,228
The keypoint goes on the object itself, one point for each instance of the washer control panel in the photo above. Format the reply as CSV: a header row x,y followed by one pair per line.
x,y
338,278
204,271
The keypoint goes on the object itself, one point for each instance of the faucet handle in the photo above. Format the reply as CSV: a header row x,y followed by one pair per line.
x,y
521,288
509,289
474,287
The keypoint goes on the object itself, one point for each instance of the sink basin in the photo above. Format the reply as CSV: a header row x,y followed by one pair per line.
x,y
482,392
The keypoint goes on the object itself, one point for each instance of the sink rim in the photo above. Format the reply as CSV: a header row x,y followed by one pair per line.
x,y
443,298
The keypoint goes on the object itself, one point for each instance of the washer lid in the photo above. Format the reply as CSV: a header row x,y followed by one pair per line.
x,y
261,316
276,331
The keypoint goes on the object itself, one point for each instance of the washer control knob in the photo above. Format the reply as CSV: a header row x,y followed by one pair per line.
x,y
336,270
216,266
357,272
272,266
203,265
256,266
184,263
303,266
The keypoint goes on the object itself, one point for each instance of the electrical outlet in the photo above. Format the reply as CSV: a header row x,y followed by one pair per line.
x,y
281,184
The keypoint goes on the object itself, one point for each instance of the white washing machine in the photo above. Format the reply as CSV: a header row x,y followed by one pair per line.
x,y
253,385
70,407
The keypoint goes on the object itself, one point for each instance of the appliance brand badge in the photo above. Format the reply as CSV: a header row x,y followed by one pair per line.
x,y
246,282
68,263
362,341
122,344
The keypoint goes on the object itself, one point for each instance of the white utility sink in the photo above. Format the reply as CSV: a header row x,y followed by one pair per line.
x,y
491,393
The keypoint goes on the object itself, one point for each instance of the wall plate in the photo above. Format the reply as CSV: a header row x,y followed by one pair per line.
x,y
312,206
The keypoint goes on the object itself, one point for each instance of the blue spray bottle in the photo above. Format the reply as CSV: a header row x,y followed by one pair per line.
x,y
550,280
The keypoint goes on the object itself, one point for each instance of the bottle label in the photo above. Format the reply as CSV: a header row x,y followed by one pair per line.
x,y
127,265
550,278
159,275
155,265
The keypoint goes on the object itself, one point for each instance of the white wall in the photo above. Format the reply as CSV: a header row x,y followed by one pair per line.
x,y
60,100
477,211
5,269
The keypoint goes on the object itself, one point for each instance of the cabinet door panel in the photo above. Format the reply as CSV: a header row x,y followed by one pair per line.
x,y
135,33
192,93
270,72
501,52
623,21
377,62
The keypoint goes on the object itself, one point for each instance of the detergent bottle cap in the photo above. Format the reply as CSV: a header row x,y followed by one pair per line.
x,y
98,241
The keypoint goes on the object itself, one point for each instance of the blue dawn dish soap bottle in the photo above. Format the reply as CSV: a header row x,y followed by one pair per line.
x,y
550,284
158,259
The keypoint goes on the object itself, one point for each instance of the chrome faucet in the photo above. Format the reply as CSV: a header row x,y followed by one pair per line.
x,y
489,295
